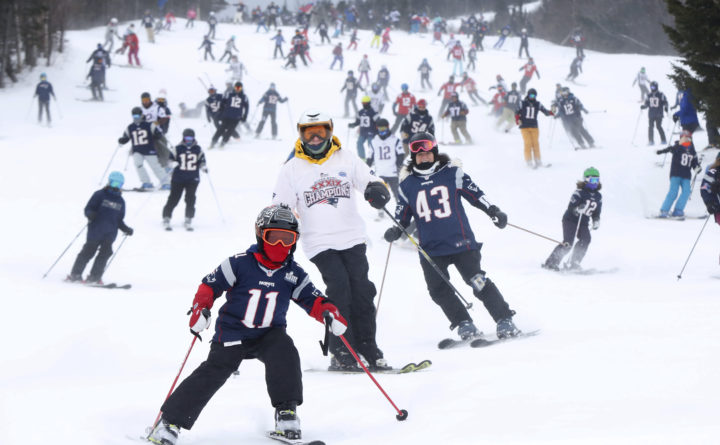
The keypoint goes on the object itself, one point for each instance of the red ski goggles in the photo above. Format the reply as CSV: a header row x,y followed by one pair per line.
x,y
421,145
283,236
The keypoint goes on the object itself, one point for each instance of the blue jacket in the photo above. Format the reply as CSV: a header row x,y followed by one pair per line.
x,y
106,211
44,90
687,113
257,298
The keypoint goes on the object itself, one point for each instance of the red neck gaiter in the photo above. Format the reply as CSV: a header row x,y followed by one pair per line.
x,y
273,257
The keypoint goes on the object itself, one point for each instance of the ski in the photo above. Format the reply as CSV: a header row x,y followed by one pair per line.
x,y
407,369
110,286
95,100
591,271
87,87
280,438
450,343
138,189
677,218
484,342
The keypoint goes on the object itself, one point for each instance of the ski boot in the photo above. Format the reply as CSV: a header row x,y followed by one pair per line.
x,y
147,186
506,328
164,433
345,362
166,224
188,224
664,214
467,330
73,278
678,214
93,280
165,187
287,423
550,266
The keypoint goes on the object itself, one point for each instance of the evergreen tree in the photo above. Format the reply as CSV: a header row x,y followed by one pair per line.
x,y
696,36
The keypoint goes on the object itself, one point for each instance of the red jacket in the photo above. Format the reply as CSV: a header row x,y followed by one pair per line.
x,y
405,102
458,52
448,88
530,69
469,85
132,41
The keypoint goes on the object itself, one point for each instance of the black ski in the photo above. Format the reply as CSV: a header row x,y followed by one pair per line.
x,y
484,342
110,286
677,218
280,438
449,343
138,189
407,369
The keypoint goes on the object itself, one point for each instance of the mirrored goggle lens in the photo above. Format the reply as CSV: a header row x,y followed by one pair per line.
x,y
382,129
274,236
137,116
593,180
188,138
320,131
421,145
531,96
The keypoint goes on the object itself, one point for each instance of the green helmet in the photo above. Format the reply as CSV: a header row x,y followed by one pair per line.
x,y
591,171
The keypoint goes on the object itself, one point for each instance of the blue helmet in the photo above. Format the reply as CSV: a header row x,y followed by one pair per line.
x,y
116,180
404,87
43,76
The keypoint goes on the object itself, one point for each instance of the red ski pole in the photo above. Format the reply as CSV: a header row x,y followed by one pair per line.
x,y
157,419
402,414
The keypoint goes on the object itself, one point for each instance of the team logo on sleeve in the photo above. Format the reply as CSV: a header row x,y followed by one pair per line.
x,y
291,277
327,190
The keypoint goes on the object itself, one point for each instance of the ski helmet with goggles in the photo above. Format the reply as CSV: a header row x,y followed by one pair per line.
x,y
116,180
137,115
383,128
276,225
404,87
592,178
653,85
423,142
188,135
315,129
532,93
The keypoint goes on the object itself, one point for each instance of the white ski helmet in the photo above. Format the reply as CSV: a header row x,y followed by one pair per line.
x,y
114,21
314,119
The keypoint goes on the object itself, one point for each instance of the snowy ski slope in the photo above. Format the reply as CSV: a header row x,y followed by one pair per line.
x,y
629,357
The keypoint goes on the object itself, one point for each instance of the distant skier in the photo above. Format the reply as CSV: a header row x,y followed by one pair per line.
x,y
447,89
569,110
578,41
236,70
503,34
43,91
575,68
110,34
687,115
213,105
377,99
457,110
142,136
364,69
458,56
385,155
425,69
386,40
270,100
657,105
100,53
402,106
279,40
190,160
523,43
322,28
234,110
105,212
207,44
337,56
365,119
353,40
530,69
418,121
585,205
383,79
526,117
472,57
149,23
684,158
212,23
133,45
351,87
229,48
642,81
191,16
97,79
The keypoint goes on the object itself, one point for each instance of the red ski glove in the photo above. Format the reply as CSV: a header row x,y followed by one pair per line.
x,y
323,305
517,119
199,319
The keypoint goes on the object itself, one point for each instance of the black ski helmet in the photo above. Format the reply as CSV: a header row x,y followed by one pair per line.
x,y
533,92
275,217
383,128
137,114
423,136
188,133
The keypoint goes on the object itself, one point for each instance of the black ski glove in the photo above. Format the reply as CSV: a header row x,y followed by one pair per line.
x,y
377,194
393,234
712,208
498,218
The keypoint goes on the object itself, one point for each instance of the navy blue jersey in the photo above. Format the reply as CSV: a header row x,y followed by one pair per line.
x,y
351,85
270,99
570,106
142,136
257,298
190,160
366,118
457,111
683,160
97,73
434,201
425,69
710,187
213,105
235,106
383,76
512,100
656,103
106,211
44,90
586,202
417,122
528,113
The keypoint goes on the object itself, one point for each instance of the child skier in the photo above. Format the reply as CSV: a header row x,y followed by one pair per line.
x,y
684,158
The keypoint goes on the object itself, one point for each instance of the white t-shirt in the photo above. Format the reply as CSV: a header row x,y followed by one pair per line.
x,y
324,197
385,154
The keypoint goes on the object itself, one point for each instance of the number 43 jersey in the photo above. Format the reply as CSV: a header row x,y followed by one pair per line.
x,y
257,298
434,201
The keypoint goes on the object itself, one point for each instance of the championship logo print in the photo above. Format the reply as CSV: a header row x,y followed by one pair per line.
x,y
327,190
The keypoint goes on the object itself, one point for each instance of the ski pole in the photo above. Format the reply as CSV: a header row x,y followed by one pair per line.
x,y
203,83
66,249
637,122
429,260
670,138
382,282
537,234
157,419
692,185
102,178
401,413
215,196
107,266
693,247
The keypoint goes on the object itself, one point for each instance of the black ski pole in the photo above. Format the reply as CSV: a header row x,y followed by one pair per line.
x,y
537,234
66,249
115,253
102,178
215,196
693,247
425,255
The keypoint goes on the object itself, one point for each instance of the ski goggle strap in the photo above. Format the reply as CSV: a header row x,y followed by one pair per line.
x,y
274,236
421,145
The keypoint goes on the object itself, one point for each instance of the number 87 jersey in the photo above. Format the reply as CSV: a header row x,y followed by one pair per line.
x,y
434,201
